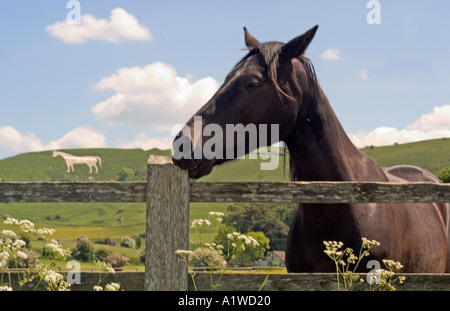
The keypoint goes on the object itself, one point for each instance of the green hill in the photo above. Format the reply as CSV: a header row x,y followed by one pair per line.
x,y
130,164
42,166
432,155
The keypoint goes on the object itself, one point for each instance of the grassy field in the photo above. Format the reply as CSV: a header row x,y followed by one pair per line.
x,y
432,155
116,220
42,166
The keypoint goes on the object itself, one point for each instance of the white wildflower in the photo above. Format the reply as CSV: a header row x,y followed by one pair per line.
x,y
110,270
217,215
5,288
11,221
4,256
183,252
8,234
18,244
27,226
20,255
55,248
98,288
3,259
112,287
200,222
104,265
45,231
52,277
369,243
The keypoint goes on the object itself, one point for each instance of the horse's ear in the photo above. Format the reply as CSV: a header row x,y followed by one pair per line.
x,y
250,41
297,46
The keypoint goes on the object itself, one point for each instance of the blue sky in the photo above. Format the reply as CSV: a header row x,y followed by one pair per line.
x,y
132,69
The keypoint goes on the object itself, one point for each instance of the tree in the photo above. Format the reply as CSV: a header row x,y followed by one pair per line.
x,y
251,252
271,219
241,248
84,249
222,239
444,175
125,173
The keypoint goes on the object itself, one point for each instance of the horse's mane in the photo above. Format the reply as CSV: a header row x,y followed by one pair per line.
x,y
271,52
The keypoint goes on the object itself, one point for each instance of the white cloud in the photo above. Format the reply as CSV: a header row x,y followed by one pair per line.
x,y
435,124
331,54
438,119
13,140
81,137
363,74
144,142
153,96
121,26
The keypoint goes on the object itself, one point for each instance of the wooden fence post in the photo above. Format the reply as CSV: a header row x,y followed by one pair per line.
x,y
167,225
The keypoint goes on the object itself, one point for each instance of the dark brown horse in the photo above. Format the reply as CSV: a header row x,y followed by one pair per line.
x,y
275,84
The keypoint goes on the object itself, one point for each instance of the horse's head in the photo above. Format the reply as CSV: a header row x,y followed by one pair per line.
x,y
261,95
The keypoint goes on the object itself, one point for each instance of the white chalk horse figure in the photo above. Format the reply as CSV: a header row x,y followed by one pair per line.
x,y
90,161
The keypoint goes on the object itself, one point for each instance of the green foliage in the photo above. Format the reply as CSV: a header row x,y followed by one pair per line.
x,y
444,175
271,219
245,255
138,241
125,174
222,239
84,250
127,241
251,253
101,254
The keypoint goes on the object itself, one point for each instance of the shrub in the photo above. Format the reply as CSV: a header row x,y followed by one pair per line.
x,y
142,256
110,241
101,255
444,175
207,257
138,242
24,259
84,251
127,241
116,260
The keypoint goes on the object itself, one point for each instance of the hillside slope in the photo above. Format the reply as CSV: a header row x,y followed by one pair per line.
x,y
130,164
42,166
432,155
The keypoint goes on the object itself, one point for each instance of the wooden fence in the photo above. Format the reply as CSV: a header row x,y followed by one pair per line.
x,y
168,192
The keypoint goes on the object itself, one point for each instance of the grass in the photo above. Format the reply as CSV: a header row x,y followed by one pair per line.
x,y
432,155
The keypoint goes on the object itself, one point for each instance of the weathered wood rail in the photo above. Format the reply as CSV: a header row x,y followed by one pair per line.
x,y
168,192
280,192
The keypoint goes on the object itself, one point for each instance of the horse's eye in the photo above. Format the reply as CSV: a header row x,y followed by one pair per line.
x,y
253,85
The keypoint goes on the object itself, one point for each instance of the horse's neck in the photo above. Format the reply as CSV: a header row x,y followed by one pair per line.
x,y
63,154
321,150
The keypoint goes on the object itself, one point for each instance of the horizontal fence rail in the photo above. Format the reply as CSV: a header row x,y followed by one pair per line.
x,y
320,192
279,192
72,192
168,192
